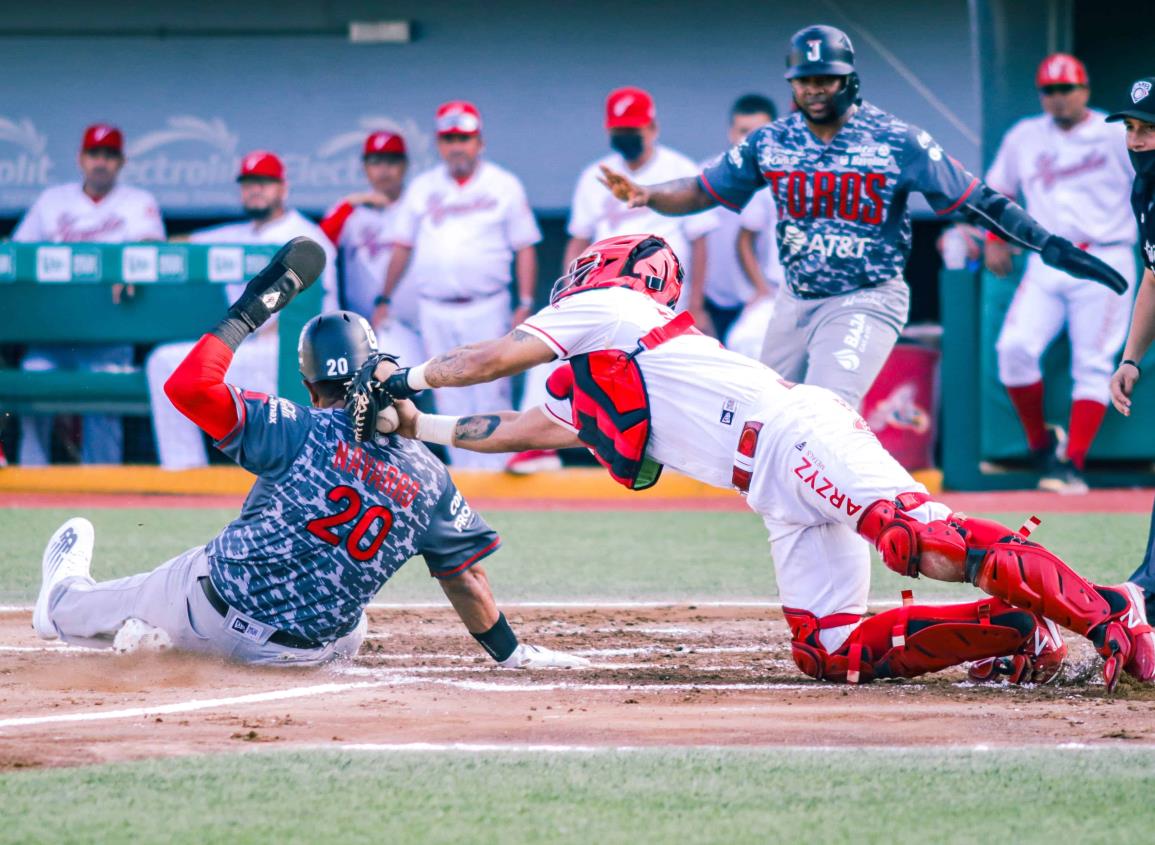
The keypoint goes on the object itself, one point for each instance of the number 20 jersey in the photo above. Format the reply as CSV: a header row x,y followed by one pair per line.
x,y
329,520
843,221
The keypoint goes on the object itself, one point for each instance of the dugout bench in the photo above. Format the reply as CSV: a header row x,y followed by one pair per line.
x,y
983,445
62,294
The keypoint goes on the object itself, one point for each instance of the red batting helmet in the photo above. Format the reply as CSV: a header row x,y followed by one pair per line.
x,y
1060,69
644,263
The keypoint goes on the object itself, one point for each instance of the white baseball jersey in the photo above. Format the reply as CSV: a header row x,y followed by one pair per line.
x,y
366,243
726,282
464,236
64,213
1075,182
700,393
289,225
596,214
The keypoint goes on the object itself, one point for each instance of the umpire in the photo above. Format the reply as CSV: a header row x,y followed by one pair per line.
x,y
1139,116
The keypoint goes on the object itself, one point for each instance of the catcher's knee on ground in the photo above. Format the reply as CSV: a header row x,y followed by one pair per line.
x,y
909,641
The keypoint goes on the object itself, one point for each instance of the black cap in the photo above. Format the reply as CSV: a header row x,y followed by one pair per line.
x,y
1142,104
819,51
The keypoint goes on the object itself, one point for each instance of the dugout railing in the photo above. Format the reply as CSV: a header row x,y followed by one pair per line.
x,y
61,294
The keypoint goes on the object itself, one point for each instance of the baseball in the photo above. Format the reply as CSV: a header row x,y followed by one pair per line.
x,y
388,420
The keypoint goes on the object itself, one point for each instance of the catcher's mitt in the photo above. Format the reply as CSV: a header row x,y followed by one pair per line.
x,y
366,397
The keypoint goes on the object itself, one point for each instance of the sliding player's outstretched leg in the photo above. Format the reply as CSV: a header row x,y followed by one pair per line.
x,y
917,536
911,640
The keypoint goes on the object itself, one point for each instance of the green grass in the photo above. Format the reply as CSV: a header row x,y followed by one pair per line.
x,y
559,555
656,795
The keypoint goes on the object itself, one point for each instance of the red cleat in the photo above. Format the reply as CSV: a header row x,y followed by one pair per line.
x,y
1038,662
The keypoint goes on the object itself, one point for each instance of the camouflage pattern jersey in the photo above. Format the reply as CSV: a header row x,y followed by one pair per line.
x,y
328,520
843,221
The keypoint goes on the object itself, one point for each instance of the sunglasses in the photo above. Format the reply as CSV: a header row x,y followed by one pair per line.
x,y
1051,90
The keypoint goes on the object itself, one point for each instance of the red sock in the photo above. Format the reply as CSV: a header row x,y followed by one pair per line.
x,y
1028,402
1086,417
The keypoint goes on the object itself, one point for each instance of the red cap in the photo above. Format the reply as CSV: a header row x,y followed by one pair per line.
x,y
261,164
101,136
1060,69
384,144
457,117
629,108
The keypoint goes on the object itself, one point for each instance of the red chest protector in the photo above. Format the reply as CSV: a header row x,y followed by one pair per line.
x,y
611,409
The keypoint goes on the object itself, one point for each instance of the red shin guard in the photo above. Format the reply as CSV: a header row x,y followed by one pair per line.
x,y
909,641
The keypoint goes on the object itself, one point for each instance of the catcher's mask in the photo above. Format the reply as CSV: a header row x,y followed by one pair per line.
x,y
644,263
333,346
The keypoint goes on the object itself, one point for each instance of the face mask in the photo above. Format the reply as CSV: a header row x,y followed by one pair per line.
x,y
1144,164
627,144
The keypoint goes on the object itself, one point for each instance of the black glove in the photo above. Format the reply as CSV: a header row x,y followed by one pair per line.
x,y
1063,255
366,397
295,266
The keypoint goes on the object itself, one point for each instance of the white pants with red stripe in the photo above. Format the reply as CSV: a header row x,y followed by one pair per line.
x,y
446,325
817,467
1095,318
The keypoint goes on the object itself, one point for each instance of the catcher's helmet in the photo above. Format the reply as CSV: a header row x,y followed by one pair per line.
x,y
644,263
334,345
825,51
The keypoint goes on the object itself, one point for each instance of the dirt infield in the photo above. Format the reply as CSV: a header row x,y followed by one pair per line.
x,y
673,675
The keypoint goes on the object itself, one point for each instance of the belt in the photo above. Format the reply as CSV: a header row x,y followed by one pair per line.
x,y
460,300
744,456
278,638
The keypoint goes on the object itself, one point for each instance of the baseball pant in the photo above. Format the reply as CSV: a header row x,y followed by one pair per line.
x,y
722,316
446,325
170,597
837,342
102,435
179,443
1095,317
817,467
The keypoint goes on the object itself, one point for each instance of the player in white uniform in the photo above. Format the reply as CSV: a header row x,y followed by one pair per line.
x,y
459,228
595,214
1071,168
100,210
179,443
742,265
644,389
363,227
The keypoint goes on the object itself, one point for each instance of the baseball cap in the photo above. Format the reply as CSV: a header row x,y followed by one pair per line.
x,y
384,144
102,136
458,117
1141,104
261,164
629,108
1060,69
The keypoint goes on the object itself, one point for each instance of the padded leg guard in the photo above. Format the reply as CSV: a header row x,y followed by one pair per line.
x,y
909,641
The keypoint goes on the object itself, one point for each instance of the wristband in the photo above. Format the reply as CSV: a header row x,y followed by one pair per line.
x,y
525,302
499,641
416,378
382,300
436,428
1138,369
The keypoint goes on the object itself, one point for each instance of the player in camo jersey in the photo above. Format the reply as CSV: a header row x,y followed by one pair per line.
x,y
326,524
841,171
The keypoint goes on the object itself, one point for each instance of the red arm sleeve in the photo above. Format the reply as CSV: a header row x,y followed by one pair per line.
x,y
197,389
334,222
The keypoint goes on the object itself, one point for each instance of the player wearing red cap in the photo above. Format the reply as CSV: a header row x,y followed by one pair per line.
x,y
264,192
460,227
97,209
1071,170
363,226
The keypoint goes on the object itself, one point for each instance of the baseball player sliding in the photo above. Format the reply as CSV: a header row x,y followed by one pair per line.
x,y
1071,168
842,172
644,389
326,524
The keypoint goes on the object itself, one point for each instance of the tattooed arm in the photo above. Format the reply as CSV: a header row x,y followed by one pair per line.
x,y
501,431
478,363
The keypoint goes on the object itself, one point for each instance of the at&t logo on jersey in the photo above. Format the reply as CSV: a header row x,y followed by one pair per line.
x,y
795,241
25,166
